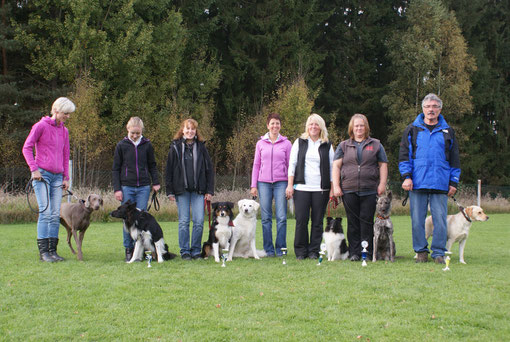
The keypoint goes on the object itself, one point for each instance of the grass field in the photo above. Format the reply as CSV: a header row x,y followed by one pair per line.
x,y
103,299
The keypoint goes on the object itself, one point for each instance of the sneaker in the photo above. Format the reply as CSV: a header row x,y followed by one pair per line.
x,y
300,257
186,257
355,257
439,260
197,257
270,256
313,256
422,257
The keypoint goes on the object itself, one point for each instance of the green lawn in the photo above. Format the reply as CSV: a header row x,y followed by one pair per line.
x,y
103,298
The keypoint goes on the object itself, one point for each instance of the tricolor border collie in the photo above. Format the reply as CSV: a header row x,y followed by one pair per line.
x,y
144,230
221,230
334,239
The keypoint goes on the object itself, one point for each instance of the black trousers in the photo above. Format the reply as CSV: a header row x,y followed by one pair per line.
x,y
360,222
308,203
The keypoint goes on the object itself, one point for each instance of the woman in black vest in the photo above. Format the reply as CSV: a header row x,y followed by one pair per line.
x,y
311,159
360,172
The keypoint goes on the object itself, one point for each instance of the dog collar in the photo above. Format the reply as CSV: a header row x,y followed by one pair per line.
x,y
230,223
464,213
383,217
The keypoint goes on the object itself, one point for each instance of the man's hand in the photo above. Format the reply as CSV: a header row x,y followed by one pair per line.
x,y
451,191
408,184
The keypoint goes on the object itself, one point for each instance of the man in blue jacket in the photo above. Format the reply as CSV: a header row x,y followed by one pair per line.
x,y
430,166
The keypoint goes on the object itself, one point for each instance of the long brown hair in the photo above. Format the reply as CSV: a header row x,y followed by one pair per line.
x,y
350,130
193,123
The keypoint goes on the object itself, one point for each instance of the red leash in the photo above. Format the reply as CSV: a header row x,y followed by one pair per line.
x,y
207,206
333,202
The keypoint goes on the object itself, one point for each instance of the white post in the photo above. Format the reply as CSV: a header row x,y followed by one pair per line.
x,y
479,197
70,179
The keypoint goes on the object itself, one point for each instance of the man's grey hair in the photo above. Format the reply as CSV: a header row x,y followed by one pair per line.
x,y
432,97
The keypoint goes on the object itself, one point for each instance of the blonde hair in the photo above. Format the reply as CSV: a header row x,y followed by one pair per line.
x,y
351,125
63,105
134,121
193,123
316,118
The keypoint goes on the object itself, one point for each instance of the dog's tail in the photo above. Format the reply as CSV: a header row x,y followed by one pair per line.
x,y
168,255
206,250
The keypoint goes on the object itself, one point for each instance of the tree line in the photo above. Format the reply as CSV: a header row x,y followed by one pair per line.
x,y
228,63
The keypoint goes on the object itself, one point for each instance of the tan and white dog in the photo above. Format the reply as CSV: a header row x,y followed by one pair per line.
x,y
242,243
458,227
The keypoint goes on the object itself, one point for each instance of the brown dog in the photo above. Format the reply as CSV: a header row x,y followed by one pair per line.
x,y
76,218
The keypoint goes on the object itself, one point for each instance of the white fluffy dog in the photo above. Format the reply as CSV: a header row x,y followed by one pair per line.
x,y
242,243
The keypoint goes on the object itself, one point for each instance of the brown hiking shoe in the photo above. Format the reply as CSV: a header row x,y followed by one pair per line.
x,y
422,257
439,260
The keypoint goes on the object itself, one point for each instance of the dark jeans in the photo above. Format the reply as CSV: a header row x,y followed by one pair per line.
x,y
360,222
306,203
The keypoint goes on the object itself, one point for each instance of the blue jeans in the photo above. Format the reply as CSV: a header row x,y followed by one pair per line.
x,y
268,191
195,201
140,196
439,210
49,220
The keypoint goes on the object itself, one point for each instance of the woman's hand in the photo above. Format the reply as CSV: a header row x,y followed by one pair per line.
x,y
337,191
289,192
65,184
254,192
208,197
156,187
118,195
36,175
171,197
381,189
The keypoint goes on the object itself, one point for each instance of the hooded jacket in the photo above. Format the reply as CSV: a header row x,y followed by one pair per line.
x,y
430,159
134,165
51,142
271,161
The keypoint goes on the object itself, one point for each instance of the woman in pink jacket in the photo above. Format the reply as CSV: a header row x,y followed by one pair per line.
x,y
269,180
50,173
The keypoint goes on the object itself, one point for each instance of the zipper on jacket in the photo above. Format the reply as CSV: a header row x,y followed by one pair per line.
x,y
272,166
359,177
136,164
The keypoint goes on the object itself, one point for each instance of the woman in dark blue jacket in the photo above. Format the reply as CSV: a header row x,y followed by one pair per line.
x,y
189,180
134,169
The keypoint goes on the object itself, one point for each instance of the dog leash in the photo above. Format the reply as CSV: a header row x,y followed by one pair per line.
x,y
333,202
404,202
462,209
30,187
155,201
207,206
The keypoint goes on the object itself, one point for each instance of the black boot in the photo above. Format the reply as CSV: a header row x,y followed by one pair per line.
x,y
129,254
43,250
52,249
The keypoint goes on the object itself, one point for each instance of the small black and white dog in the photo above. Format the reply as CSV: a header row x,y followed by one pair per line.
x,y
221,230
335,240
144,230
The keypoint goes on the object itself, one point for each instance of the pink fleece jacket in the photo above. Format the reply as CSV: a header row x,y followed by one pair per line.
x,y
271,161
51,142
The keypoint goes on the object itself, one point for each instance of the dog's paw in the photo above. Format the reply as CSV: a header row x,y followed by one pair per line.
x,y
462,262
229,259
217,259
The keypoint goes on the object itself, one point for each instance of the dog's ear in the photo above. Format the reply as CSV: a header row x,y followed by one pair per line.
x,y
328,220
469,212
214,205
230,205
87,202
240,203
339,219
256,205
100,201
390,195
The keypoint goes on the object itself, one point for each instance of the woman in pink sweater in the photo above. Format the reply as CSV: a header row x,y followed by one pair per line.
x,y
50,173
269,180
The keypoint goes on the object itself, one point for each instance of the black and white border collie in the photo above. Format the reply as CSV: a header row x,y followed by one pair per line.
x,y
335,240
221,230
144,230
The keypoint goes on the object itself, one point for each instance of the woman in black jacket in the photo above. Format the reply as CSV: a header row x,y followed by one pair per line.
x,y
134,169
189,180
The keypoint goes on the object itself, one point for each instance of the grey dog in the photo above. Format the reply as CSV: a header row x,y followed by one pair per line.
x,y
76,218
384,246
